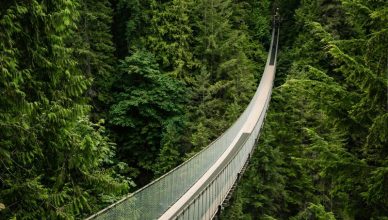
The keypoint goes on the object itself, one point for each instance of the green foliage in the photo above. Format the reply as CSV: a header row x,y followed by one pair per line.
x,y
314,211
327,118
235,211
171,37
52,156
130,24
147,114
93,49
227,72
187,70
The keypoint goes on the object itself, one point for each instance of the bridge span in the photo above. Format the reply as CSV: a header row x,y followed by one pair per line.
x,y
197,188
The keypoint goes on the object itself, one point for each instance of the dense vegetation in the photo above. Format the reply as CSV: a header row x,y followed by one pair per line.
x,y
324,151
99,97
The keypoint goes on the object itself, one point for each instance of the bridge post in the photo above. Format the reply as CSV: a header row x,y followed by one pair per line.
x,y
218,214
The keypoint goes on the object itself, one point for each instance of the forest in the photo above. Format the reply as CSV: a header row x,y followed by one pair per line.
x,y
100,97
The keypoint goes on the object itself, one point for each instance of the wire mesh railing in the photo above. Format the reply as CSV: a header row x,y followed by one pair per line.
x,y
206,201
151,201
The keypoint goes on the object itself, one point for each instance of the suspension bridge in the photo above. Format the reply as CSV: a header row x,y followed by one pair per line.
x,y
199,187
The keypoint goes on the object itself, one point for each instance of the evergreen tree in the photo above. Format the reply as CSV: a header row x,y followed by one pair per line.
x,y
51,154
324,116
94,51
314,211
169,77
171,37
221,49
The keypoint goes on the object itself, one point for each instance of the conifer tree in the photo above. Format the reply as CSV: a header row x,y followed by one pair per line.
x,y
171,37
221,49
51,154
94,51
131,23
324,116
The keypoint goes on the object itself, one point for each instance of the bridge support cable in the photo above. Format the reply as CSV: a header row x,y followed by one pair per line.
x,y
197,188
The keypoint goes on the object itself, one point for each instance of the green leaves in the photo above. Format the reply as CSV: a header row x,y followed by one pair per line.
x,y
147,107
315,211
171,37
327,120
49,149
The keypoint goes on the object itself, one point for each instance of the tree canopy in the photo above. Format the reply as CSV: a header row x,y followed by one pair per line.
x,y
323,153
98,98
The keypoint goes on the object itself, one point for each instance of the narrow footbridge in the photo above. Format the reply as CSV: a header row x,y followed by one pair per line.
x,y
198,188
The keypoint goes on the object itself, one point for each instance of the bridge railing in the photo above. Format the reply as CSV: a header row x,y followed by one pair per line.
x,y
203,200
154,199
205,203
